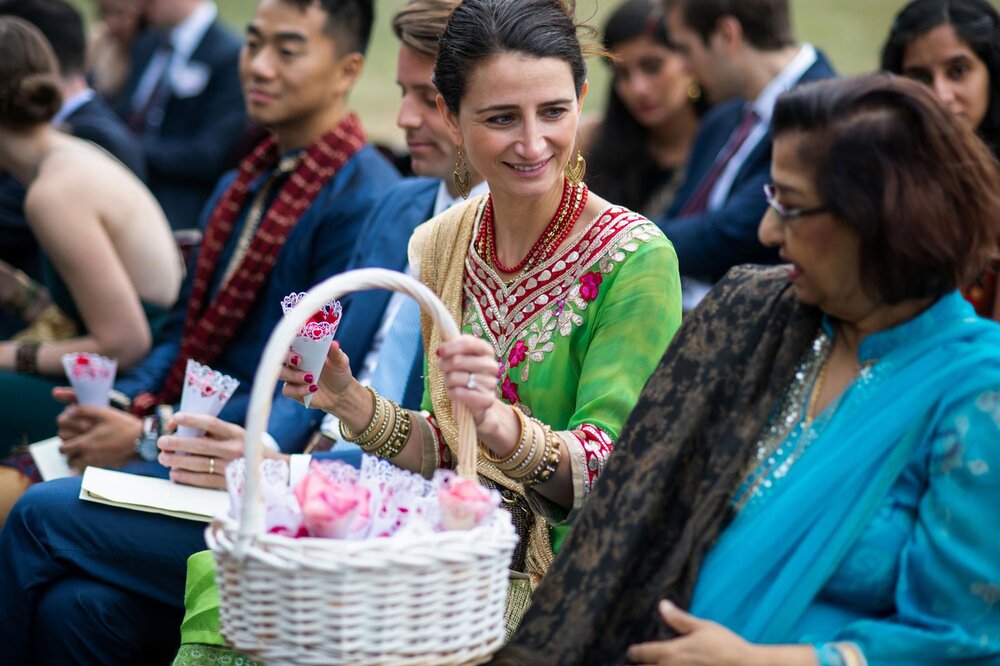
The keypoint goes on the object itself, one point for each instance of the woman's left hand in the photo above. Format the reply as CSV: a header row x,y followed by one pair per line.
x,y
470,374
201,461
700,643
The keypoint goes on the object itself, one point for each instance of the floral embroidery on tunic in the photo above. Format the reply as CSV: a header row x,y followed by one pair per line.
x,y
522,320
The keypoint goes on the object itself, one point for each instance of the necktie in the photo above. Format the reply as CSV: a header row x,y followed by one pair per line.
x,y
395,358
148,111
698,202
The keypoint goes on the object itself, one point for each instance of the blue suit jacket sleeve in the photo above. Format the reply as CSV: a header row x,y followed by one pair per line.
x,y
358,189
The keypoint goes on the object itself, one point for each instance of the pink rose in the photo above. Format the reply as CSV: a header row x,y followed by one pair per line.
x,y
332,510
517,354
464,503
590,285
509,391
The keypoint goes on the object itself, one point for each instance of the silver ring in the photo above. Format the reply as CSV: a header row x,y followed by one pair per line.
x,y
211,465
471,383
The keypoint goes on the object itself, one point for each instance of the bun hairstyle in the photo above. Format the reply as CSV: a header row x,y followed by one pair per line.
x,y
480,29
29,83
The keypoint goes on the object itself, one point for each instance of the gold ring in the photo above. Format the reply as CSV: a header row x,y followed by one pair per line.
x,y
211,465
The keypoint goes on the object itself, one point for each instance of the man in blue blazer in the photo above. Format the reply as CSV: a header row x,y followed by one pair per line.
x,y
745,55
83,114
183,100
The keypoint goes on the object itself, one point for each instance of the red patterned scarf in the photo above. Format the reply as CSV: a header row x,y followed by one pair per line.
x,y
207,330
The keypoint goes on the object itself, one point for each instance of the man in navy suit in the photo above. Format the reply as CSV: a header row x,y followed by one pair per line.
x,y
82,114
183,100
745,55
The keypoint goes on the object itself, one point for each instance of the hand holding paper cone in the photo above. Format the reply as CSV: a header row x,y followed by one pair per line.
x,y
205,392
92,377
314,338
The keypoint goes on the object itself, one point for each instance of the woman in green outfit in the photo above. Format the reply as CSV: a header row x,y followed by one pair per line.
x,y
110,258
566,301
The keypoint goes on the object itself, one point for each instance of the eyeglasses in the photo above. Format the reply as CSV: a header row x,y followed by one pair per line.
x,y
789,215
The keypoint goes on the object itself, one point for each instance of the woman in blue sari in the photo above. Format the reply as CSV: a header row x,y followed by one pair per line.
x,y
813,472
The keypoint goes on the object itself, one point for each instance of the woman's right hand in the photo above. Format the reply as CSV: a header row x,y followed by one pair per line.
x,y
327,389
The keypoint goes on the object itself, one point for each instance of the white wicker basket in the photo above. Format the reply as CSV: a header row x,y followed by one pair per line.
x,y
434,599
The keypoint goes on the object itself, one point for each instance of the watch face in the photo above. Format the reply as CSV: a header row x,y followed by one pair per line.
x,y
146,447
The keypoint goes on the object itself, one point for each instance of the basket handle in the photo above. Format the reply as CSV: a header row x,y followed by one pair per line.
x,y
266,378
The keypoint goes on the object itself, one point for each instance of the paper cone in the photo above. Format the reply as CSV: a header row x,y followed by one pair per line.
x,y
313,353
205,392
91,376
315,337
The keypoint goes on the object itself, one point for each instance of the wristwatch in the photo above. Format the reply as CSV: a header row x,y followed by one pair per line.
x,y
145,444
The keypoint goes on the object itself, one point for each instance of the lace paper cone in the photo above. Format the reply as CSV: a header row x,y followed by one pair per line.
x,y
205,392
91,376
315,337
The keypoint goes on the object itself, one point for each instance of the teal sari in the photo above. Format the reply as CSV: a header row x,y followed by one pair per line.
x,y
929,402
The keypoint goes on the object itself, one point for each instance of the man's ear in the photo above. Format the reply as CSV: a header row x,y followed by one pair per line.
x,y
349,67
450,121
729,33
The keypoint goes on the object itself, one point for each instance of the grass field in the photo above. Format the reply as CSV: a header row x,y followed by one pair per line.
x,y
849,31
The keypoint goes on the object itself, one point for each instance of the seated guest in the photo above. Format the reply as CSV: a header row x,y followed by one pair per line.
x,y
109,48
82,114
812,471
560,294
122,614
182,99
111,260
735,49
637,151
228,310
953,47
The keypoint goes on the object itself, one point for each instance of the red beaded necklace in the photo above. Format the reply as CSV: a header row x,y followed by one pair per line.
x,y
571,206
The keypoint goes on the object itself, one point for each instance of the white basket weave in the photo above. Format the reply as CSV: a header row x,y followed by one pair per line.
x,y
432,599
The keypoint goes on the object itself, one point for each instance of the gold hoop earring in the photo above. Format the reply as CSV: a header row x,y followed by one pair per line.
x,y
694,91
575,171
461,177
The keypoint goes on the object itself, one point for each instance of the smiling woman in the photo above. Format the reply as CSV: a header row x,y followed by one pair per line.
x,y
566,300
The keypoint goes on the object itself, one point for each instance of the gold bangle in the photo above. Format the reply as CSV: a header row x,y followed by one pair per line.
x,y
349,436
535,453
385,428
496,460
550,462
400,434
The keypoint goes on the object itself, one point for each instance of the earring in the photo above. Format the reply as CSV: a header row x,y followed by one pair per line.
x,y
694,91
576,171
461,177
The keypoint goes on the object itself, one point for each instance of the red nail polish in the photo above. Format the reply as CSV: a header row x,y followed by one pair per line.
x,y
295,360
308,378
437,352
313,388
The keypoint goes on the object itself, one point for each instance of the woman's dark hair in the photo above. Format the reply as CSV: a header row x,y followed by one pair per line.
x,y
977,24
911,179
480,29
29,84
621,165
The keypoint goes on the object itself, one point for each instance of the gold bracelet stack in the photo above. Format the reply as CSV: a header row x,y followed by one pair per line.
x,y
388,431
536,456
